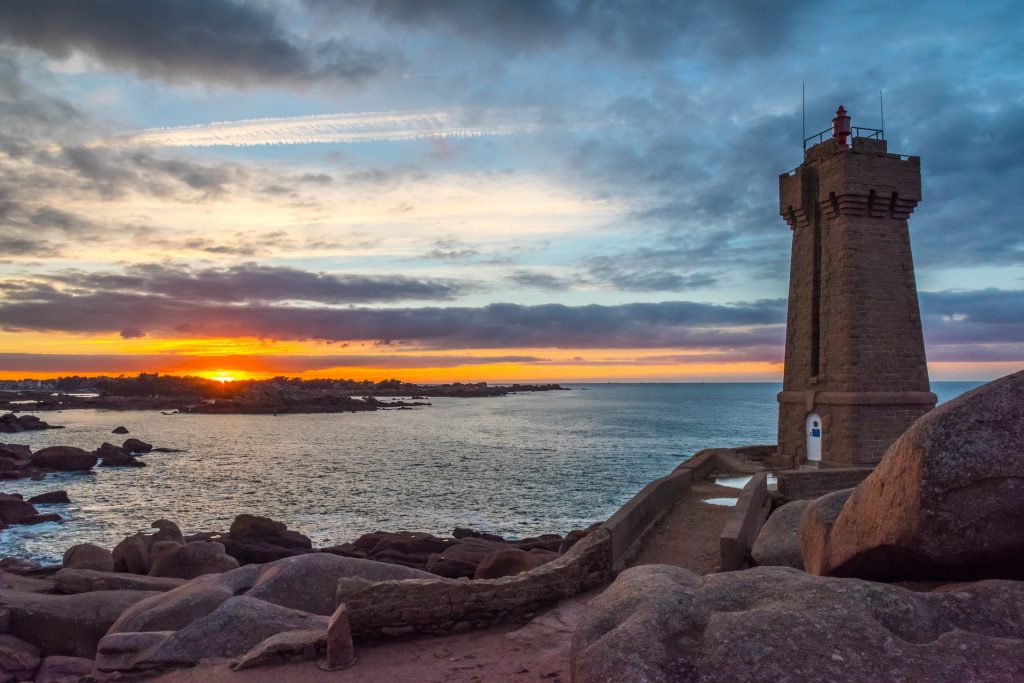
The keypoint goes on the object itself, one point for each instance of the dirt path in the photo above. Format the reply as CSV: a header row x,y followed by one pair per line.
x,y
538,651
688,535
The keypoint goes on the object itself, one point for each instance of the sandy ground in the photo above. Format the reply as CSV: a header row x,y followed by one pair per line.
x,y
538,651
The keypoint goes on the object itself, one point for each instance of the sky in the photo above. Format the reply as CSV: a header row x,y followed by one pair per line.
x,y
466,190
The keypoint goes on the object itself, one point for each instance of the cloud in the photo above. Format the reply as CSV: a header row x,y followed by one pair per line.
x,y
252,282
395,126
217,41
669,324
451,250
637,277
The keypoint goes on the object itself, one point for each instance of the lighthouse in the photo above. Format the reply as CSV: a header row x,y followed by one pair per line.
x,y
855,376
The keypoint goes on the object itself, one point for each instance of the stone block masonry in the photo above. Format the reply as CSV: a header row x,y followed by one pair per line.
x,y
854,352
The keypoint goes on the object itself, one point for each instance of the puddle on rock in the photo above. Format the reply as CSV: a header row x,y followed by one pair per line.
x,y
728,502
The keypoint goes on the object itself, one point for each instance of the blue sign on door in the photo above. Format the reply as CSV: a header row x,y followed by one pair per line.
x,y
816,432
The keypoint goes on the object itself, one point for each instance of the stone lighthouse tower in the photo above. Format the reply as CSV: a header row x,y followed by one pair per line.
x,y
855,375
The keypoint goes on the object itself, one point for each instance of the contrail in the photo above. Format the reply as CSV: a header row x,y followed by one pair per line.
x,y
337,128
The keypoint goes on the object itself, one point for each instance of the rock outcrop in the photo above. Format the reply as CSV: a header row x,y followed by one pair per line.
x,y
227,615
663,624
815,526
254,539
511,561
64,459
50,498
89,556
88,581
947,499
66,624
134,445
11,423
778,542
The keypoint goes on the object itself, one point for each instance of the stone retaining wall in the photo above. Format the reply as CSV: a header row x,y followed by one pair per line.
x,y
395,608
804,484
751,511
386,609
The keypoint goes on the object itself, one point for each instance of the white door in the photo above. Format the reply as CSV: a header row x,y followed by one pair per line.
x,y
814,430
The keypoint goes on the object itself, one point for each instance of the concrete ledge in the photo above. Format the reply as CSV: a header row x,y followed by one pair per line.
x,y
752,509
859,398
804,484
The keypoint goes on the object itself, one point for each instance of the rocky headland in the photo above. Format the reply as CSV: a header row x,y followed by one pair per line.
x,y
914,574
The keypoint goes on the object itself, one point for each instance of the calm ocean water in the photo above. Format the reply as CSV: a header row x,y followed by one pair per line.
x,y
517,466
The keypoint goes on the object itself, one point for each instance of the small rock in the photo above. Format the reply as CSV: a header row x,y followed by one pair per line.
x,y
290,646
340,650
136,446
89,556
15,510
57,669
120,430
50,498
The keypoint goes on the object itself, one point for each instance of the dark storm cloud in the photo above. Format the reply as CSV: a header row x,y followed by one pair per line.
x,y
680,324
653,29
205,40
538,280
251,282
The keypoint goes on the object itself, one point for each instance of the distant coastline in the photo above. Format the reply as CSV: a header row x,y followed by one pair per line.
x,y
281,395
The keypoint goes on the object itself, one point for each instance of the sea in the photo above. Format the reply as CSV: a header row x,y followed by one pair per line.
x,y
518,465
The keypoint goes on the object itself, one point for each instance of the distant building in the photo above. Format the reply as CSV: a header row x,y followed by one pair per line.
x,y
855,375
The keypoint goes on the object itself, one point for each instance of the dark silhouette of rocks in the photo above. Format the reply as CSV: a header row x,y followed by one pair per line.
x,y
64,459
50,498
11,423
116,456
134,445
119,430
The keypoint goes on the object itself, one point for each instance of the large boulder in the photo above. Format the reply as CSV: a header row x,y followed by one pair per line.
x,y
134,553
18,659
947,499
14,510
461,559
661,624
231,630
16,451
815,526
173,560
58,669
308,582
304,582
254,540
64,459
511,561
89,556
66,624
778,542
88,581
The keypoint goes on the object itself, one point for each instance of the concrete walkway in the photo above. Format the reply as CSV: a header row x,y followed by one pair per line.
x,y
687,536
